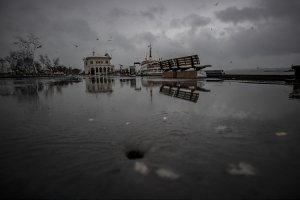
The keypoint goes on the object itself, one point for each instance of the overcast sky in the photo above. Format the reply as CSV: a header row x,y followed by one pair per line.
x,y
230,34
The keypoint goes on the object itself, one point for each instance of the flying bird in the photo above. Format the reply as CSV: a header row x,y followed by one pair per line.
x,y
230,61
97,39
75,45
40,46
216,4
109,40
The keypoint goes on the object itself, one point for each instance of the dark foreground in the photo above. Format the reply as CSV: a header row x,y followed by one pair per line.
x,y
78,138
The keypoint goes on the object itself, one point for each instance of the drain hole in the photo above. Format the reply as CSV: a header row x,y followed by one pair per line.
x,y
135,154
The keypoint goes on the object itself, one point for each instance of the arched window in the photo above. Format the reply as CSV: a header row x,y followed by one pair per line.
x,y
92,71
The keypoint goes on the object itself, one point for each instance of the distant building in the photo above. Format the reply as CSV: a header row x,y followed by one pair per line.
x,y
98,65
132,70
296,68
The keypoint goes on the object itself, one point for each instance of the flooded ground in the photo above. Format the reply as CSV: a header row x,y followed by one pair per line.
x,y
148,138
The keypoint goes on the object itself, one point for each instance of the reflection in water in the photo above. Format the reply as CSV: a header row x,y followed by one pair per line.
x,y
29,89
132,82
179,92
183,90
57,85
296,92
237,138
99,84
151,83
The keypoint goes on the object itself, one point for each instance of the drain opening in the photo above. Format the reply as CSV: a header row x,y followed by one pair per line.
x,y
135,154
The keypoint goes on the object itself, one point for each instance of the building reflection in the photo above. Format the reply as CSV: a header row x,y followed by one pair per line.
x,y
134,83
187,90
125,81
99,84
296,91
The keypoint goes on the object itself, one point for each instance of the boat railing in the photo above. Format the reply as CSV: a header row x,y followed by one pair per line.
x,y
182,64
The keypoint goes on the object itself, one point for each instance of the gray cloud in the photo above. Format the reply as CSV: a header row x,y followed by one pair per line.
x,y
274,29
261,10
282,38
153,12
235,15
192,21
195,20
175,28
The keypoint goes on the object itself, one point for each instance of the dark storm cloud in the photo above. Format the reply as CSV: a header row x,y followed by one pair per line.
x,y
153,12
274,28
261,10
195,20
147,36
235,15
174,27
192,21
116,13
280,39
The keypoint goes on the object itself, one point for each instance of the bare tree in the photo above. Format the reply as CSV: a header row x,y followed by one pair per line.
x,y
18,61
56,62
42,61
29,45
45,61
48,62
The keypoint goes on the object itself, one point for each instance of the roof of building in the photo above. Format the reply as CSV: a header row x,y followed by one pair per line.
x,y
89,57
296,67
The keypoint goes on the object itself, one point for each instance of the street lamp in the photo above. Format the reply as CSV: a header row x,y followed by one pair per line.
x,y
38,47
2,63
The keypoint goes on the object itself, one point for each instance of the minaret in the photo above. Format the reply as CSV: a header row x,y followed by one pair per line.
x,y
93,53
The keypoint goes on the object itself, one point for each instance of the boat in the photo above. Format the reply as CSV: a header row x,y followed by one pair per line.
x,y
150,66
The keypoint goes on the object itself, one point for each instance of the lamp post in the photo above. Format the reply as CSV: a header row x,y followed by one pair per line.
x,y
2,64
38,47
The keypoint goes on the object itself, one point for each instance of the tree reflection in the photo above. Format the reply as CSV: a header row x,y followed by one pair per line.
x,y
30,89
57,85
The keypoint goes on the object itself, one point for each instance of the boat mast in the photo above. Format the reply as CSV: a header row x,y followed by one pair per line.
x,y
150,51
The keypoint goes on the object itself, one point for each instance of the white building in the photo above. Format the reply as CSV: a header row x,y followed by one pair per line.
x,y
98,65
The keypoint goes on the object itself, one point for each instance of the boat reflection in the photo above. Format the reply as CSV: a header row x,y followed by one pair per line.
x,y
187,90
99,84
296,91
183,89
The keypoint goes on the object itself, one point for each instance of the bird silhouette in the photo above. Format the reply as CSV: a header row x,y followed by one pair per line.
x,y
97,39
75,45
216,4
